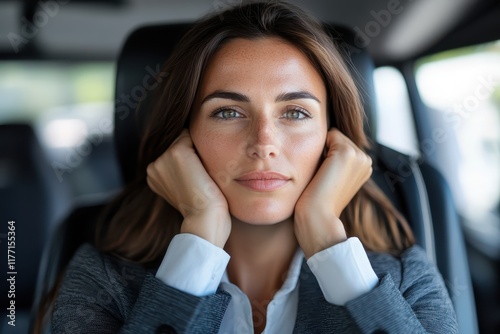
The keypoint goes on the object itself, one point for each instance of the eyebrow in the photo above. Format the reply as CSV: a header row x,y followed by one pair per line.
x,y
220,94
296,96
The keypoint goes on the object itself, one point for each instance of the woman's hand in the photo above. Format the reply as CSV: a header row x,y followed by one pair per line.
x,y
343,172
180,178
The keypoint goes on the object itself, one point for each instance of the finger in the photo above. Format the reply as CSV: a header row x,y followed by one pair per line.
x,y
336,141
151,170
184,138
153,178
335,136
184,144
153,184
158,189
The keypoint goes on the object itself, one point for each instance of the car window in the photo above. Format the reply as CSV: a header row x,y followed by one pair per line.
x,y
395,122
462,90
70,106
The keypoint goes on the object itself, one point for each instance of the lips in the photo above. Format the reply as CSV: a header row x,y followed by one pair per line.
x,y
263,181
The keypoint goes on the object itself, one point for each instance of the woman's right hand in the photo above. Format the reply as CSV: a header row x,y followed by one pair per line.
x,y
179,177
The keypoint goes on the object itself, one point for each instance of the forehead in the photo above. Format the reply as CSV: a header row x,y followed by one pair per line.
x,y
268,61
246,50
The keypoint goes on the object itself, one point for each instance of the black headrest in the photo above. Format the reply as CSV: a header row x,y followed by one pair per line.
x,y
361,65
140,61
142,58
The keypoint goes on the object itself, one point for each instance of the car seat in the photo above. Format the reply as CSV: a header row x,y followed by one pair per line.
x,y
415,188
32,197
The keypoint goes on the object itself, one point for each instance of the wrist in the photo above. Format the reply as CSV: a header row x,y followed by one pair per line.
x,y
316,232
212,225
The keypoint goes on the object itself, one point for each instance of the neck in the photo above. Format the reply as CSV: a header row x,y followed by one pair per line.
x,y
260,257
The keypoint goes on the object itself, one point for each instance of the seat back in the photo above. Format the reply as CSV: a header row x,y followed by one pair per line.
x,y
32,197
140,61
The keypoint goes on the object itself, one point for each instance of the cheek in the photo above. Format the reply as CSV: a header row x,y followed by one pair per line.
x,y
306,153
217,153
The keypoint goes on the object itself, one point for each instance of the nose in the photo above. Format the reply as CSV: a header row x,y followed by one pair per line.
x,y
263,139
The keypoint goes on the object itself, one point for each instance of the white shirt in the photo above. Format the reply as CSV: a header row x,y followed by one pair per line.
x,y
195,266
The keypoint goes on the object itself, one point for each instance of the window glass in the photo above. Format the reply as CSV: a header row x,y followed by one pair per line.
x,y
70,107
461,88
395,123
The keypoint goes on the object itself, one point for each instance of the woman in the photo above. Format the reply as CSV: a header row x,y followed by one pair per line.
x,y
253,202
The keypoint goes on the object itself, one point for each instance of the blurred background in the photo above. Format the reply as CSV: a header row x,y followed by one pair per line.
x,y
57,77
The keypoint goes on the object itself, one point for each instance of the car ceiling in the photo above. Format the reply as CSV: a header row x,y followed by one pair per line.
x,y
96,29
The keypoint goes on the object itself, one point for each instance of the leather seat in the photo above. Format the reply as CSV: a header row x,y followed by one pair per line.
x,y
416,188
32,197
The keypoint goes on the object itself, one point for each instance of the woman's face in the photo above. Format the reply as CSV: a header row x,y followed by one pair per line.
x,y
259,126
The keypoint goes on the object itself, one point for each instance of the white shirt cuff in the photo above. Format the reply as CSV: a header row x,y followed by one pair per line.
x,y
193,265
343,271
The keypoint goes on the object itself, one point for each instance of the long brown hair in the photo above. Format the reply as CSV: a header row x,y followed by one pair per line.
x,y
144,224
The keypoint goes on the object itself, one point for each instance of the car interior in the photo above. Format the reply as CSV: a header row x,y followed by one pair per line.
x,y
77,79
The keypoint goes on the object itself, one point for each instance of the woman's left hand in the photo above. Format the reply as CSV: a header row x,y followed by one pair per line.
x,y
343,172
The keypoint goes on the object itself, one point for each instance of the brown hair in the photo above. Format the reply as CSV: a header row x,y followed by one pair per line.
x,y
144,223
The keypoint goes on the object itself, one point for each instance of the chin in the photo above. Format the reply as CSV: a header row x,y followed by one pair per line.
x,y
261,215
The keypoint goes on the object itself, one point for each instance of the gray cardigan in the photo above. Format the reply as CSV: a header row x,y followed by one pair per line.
x,y
101,294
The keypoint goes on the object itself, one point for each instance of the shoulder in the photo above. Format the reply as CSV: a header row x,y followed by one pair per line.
x,y
87,257
95,275
93,262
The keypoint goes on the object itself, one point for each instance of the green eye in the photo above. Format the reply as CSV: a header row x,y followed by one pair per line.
x,y
226,114
296,114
